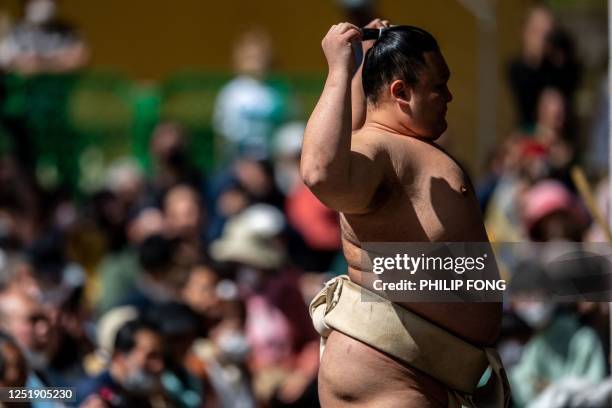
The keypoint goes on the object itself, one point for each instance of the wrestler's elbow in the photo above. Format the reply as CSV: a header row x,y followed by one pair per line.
x,y
310,175
318,181
315,175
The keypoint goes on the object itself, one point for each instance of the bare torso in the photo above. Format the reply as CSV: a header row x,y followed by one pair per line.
x,y
425,197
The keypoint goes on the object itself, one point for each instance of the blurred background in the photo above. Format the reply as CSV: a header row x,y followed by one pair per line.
x,y
154,227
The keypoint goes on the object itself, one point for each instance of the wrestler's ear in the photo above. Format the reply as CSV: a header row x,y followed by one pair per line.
x,y
400,91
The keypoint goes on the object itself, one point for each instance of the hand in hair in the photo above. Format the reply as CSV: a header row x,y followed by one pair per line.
x,y
358,100
376,23
338,49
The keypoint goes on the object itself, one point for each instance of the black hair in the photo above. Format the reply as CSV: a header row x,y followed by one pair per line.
x,y
397,53
156,254
125,340
173,319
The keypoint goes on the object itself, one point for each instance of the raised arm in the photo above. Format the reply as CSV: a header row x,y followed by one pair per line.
x,y
341,178
358,100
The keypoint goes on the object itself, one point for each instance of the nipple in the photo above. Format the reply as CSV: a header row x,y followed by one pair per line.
x,y
463,190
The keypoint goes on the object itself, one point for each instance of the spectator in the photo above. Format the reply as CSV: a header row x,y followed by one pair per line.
x,y
133,378
562,348
119,270
248,109
221,359
285,351
247,181
551,212
179,327
547,59
184,219
156,256
200,292
106,330
24,319
171,163
42,43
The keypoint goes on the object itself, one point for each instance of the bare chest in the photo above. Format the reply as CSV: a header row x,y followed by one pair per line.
x,y
430,199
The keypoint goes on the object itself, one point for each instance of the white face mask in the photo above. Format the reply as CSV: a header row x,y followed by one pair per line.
x,y
537,315
36,359
40,11
141,382
234,347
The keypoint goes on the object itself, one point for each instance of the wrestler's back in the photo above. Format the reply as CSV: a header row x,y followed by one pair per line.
x,y
426,197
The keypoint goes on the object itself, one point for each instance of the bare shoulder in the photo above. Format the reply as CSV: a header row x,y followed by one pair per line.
x,y
369,143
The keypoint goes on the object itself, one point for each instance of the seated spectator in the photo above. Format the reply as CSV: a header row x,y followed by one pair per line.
x,y
247,181
546,60
133,378
106,330
119,269
42,43
200,292
221,359
562,348
171,162
24,319
179,327
285,347
248,109
156,257
184,220
551,212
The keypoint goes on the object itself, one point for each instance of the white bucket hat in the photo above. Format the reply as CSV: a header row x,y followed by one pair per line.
x,y
248,238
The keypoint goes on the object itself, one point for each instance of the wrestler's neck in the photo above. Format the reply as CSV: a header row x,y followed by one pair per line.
x,y
389,121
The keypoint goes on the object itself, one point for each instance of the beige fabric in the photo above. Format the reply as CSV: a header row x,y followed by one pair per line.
x,y
363,315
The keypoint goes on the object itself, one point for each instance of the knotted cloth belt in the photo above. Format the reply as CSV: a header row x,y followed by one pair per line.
x,y
408,337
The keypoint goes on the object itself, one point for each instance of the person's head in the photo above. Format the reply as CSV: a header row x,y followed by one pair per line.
x,y
552,110
125,180
539,25
179,326
147,222
13,367
252,53
168,145
200,290
183,212
156,256
137,359
406,74
24,319
39,11
252,241
551,213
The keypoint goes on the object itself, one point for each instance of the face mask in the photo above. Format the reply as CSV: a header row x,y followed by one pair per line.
x,y
234,347
141,382
37,360
536,314
248,277
40,11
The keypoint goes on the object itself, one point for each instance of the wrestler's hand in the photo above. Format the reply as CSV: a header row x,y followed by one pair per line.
x,y
376,23
338,49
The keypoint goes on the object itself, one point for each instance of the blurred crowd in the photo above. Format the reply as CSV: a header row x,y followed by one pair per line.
x,y
556,353
179,287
